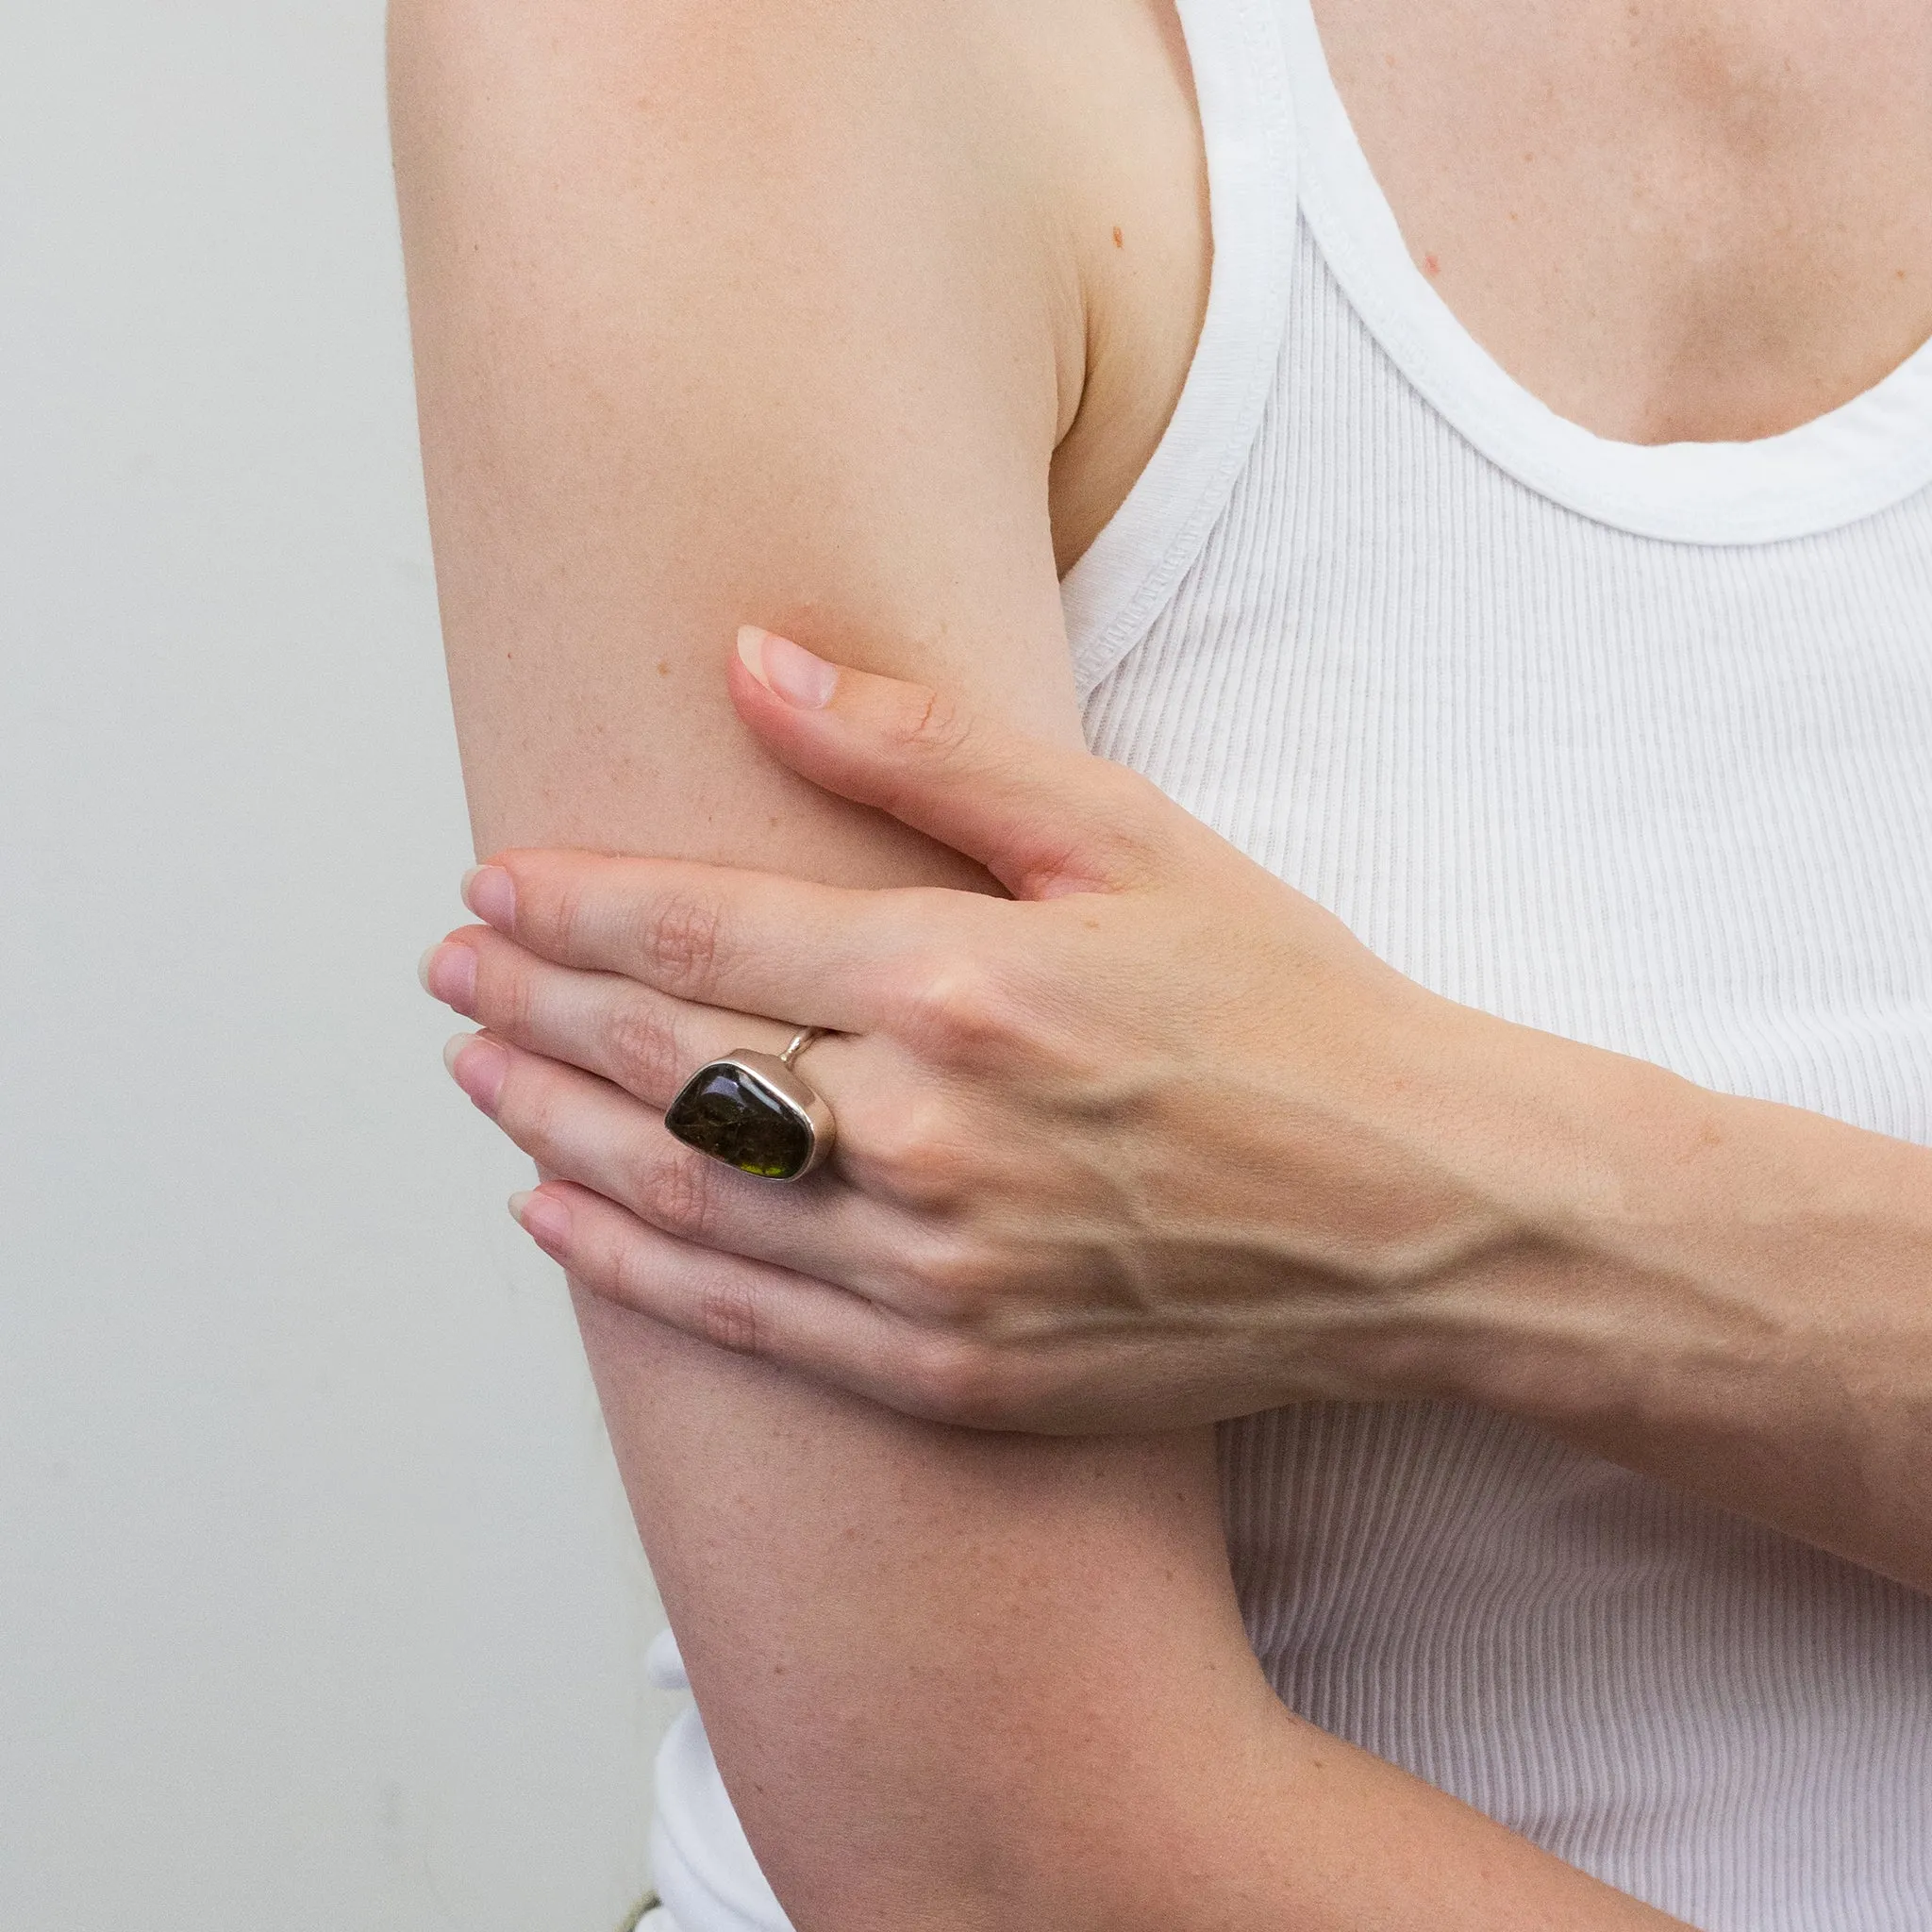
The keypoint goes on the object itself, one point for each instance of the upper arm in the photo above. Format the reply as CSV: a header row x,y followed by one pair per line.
x,y
723,315
727,312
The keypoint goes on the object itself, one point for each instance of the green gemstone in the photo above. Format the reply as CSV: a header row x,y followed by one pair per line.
x,y
728,1113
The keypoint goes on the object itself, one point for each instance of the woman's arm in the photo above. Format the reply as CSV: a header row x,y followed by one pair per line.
x,y
1733,1295
713,313
732,309
1207,1154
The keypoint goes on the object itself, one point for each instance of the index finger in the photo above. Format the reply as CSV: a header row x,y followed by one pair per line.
x,y
759,942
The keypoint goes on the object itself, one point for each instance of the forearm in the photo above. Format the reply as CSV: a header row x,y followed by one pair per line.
x,y
1286,1829
1731,1295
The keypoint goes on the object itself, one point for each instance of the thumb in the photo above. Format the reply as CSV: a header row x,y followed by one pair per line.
x,y
1042,819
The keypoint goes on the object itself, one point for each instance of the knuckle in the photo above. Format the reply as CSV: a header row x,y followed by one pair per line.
x,y
678,1195
1124,833
506,994
934,725
529,1110
554,921
1141,834
642,1045
1139,804
678,941
957,1008
726,1313
915,1160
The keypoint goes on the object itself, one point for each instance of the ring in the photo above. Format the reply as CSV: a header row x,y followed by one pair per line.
x,y
751,1111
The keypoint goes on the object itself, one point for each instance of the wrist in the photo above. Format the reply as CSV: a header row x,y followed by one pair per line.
x,y
1562,1170
1422,1210
1650,1268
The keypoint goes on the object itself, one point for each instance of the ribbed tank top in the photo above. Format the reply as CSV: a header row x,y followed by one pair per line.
x,y
1632,744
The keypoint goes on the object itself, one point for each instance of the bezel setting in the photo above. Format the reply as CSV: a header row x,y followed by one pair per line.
x,y
751,1111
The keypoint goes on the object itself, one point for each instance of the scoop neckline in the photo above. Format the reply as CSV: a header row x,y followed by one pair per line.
x,y
1853,461
1119,585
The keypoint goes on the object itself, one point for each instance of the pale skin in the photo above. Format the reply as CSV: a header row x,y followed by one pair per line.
x,y
1097,1175
817,317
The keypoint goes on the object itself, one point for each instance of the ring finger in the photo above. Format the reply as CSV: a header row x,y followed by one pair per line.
x,y
588,1130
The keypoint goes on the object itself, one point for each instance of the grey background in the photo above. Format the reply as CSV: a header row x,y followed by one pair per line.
x,y
319,1604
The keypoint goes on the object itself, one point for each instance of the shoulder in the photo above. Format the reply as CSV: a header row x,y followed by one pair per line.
x,y
822,202
842,122
944,187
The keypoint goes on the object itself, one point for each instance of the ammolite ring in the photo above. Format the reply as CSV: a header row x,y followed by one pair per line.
x,y
753,1112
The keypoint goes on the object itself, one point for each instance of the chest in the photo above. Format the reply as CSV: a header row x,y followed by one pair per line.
x,y
1670,799
1709,220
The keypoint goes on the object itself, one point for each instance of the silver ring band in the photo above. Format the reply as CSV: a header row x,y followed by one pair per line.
x,y
800,1041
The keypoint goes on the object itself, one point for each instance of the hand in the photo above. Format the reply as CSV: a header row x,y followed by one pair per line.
x,y
1156,1141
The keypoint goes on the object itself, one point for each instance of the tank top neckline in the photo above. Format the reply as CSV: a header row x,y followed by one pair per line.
x,y
1851,462
1278,141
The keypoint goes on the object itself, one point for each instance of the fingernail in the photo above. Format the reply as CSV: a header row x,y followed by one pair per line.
x,y
448,974
787,669
490,894
545,1219
478,1067
751,651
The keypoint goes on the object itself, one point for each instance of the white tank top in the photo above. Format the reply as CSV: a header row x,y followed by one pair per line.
x,y
1630,743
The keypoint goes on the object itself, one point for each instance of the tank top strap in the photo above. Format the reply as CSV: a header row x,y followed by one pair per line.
x,y
1130,570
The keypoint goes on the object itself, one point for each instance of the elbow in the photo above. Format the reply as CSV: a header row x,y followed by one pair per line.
x,y
972,1853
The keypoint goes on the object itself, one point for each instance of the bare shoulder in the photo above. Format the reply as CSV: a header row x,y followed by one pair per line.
x,y
976,231
751,167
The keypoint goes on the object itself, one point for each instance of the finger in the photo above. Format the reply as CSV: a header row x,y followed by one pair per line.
x,y
574,1124
647,1043
1076,1385
773,1314
1041,818
750,941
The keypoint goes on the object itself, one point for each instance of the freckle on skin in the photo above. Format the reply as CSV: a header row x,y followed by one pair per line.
x,y
1117,242
663,667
